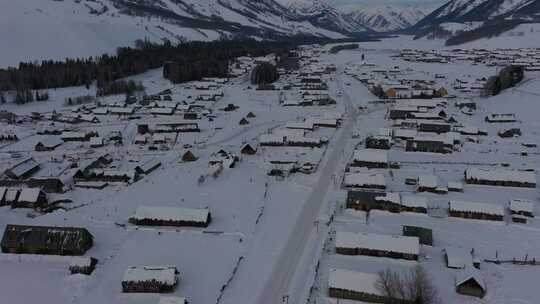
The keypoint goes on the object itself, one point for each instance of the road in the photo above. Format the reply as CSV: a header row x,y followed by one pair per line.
x,y
278,284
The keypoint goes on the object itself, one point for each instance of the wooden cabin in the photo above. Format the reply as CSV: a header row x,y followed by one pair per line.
x,y
30,198
46,240
189,156
469,282
479,211
500,177
23,170
248,149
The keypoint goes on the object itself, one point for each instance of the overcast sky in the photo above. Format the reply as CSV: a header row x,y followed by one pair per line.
x,y
379,2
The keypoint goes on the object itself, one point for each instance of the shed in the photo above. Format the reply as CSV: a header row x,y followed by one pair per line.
x,y
172,300
82,265
500,177
248,149
243,121
150,279
148,166
521,207
171,216
370,158
189,156
473,210
46,240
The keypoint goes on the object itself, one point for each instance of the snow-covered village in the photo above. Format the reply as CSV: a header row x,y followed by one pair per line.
x,y
383,170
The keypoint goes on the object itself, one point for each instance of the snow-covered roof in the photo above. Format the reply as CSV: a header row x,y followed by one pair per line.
x,y
458,257
172,300
51,141
455,185
427,181
371,156
515,205
171,214
72,135
80,262
501,175
29,195
364,179
271,139
390,243
414,201
23,167
476,207
353,281
468,273
162,274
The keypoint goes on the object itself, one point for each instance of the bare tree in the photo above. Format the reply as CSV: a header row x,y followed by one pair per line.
x,y
412,287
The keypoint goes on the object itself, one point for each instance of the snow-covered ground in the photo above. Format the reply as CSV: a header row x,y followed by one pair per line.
x,y
270,239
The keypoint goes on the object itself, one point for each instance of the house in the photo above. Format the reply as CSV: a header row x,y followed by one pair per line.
x,y
150,279
48,144
500,177
30,198
521,207
248,149
378,245
472,210
189,156
434,127
171,216
365,180
82,265
428,144
370,158
148,166
357,286
23,170
424,235
46,240
469,282
140,139
302,141
251,115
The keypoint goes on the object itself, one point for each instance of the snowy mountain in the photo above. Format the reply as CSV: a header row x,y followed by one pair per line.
x,y
322,14
387,18
477,18
75,28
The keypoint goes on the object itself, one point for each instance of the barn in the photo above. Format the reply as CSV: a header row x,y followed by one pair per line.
x,y
171,216
46,240
48,144
377,245
150,279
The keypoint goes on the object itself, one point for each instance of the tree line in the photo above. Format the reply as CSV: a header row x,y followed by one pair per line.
x,y
182,62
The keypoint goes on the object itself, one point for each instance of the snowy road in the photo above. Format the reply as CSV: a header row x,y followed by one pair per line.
x,y
277,287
